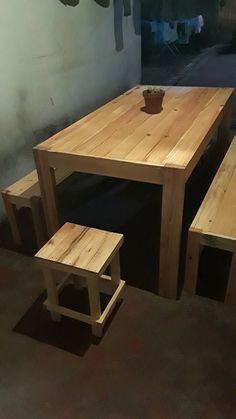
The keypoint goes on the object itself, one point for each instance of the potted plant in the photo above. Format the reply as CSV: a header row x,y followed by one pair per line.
x,y
153,97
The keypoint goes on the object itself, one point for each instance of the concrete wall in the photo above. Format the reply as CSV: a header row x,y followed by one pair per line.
x,y
57,64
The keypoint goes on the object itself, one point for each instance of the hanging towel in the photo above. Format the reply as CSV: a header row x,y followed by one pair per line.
x,y
127,7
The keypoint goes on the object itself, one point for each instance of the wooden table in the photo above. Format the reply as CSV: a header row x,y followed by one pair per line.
x,y
119,140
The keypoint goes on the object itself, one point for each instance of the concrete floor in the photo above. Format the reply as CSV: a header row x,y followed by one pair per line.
x,y
158,359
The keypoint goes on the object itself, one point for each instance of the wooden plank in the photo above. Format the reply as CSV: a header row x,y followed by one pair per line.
x,y
143,172
169,131
38,220
94,298
12,219
82,248
70,313
192,261
27,187
218,242
217,214
92,123
171,228
115,271
230,296
95,305
147,134
110,306
51,291
190,147
223,139
47,182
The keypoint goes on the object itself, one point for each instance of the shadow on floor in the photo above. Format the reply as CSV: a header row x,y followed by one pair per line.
x,y
69,335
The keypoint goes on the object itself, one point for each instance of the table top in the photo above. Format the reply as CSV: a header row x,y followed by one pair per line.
x,y
121,131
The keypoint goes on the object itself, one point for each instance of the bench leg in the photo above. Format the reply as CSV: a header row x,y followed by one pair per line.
x,y
12,219
95,304
192,262
223,139
53,298
231,288
38,221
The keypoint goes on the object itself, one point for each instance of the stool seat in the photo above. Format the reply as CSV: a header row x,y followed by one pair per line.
x,y
83,254
87,250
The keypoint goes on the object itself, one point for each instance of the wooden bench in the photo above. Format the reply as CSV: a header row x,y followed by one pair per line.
x,y
215,224
85,253
26,193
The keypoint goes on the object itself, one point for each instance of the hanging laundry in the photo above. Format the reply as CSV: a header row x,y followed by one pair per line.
x,y
199,24
127,7
188,27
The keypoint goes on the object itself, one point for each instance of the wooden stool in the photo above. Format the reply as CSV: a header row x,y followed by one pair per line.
x,y
86,253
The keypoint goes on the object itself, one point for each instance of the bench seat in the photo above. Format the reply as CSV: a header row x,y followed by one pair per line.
x,y
26,193
215,223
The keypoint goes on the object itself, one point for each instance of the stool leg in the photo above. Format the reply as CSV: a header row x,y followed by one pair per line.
x,y
12,219
231,288
38,221
115,272
50,283
192,262
95,304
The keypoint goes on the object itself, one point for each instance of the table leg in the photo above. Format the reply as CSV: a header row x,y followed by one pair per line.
x,y
171,228
38,221
47,182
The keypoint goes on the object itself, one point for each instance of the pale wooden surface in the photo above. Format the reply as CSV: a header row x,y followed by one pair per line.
x,y
26,193
215,222
120,131
85,249
27,187
86,252
217,214
119,140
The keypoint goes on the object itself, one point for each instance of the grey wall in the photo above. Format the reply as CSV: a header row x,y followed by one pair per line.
x,y
57,64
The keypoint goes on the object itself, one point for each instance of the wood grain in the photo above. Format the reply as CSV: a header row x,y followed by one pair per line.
x,y
85,249
215,223
121,131
120,140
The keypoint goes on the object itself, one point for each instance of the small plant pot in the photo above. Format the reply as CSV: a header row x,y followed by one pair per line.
x,y
153,100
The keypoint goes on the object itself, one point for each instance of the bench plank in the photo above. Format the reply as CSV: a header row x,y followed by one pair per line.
x,y
215,224
28,186
217,214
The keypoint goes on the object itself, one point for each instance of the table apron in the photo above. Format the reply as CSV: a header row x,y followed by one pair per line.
x,y
112,168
